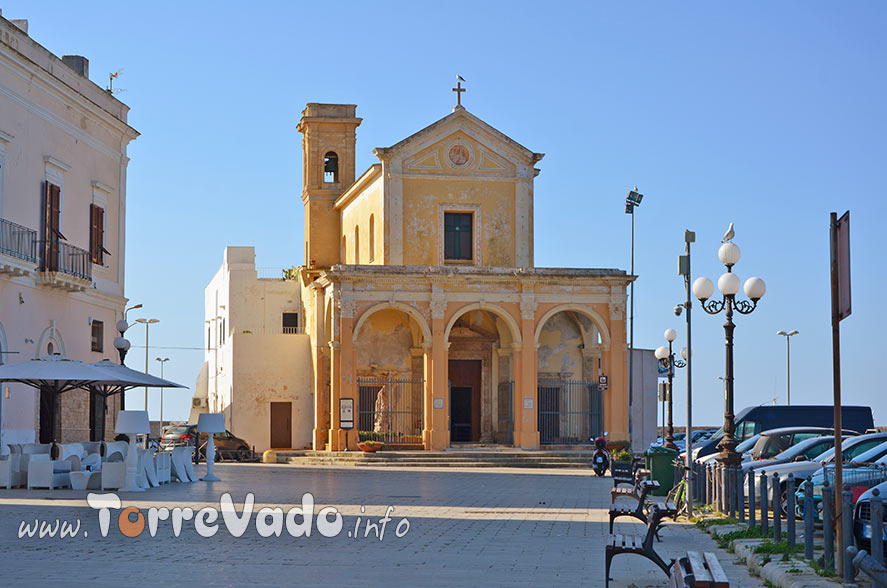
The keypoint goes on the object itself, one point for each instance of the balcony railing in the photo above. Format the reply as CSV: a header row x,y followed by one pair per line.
x,y
56,256
271,331
18,241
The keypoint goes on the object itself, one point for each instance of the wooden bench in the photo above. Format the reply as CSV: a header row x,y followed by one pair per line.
x,y
698,570
622,473
637,545
640,511
634,492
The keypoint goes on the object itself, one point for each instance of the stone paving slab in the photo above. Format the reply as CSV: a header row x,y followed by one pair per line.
x,y
490,527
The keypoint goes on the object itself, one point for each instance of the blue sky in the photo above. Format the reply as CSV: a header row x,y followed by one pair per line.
x,y
770,115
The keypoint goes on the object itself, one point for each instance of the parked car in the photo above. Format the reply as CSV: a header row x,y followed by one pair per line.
x,y
870,465
862,520
851,448
743,449
757,419
226,443
776,441
803,451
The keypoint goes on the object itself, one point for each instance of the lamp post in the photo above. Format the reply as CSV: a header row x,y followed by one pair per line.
x,y
728,284
632,201
684,272
665,355
788,363
147,323
162,361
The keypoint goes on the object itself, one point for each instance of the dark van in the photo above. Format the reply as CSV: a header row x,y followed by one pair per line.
x,y
755,419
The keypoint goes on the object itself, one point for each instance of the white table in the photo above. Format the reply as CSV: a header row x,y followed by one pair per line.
x,y
86,479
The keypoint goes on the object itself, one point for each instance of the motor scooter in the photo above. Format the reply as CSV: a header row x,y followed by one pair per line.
x,y
600,459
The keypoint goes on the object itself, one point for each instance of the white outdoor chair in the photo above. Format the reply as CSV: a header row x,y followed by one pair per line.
x,y
36,448
46,473
92,462
68,450
113,475
147,459
181,463
115,450
92,447
15,448
11,475
163,466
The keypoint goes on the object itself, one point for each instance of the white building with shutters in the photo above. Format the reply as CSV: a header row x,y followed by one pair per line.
x,y
63,162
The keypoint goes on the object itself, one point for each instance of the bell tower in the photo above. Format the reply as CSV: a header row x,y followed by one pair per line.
x,y
328,142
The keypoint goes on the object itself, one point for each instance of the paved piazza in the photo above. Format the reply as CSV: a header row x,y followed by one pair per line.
x,y
472,527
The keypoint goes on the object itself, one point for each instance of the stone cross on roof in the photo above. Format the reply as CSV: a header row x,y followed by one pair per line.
x,y
458,90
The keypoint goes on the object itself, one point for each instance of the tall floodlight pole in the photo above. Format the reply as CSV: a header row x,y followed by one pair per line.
x,y
684,271
788,364
162,361
147,323
632,201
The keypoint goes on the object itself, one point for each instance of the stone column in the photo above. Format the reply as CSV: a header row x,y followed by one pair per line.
x,y
528,409
348,358
617,371
321,433
440,419
335,394
517,393
428,408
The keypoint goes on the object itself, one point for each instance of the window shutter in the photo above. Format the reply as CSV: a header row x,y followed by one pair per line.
x,y
92,236
100,231
56,212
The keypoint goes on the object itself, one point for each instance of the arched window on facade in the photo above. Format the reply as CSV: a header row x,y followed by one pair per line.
x,y
344,252
330,167
356,244
372,237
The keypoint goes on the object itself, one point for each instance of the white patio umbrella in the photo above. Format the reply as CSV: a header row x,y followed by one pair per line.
x,y
56,374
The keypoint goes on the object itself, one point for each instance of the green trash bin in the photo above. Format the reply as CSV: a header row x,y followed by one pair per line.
x,y
660,462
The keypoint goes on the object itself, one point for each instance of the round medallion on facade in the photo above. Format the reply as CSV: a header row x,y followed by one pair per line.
x,y
459,155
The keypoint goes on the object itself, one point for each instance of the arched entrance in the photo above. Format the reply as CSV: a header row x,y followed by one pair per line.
x,y
571,404
482,339
50,343
389,345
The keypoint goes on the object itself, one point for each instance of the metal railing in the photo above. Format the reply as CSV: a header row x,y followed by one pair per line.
x,y
390,410
570,412
58,256
18,241
269,273
271,331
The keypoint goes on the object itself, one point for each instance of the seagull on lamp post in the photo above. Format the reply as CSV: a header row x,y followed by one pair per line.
x,y
728,236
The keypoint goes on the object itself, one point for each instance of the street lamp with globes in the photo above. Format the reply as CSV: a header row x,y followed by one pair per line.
x,y
729,284
665,355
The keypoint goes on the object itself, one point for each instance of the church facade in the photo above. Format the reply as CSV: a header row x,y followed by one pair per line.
x,y
418,317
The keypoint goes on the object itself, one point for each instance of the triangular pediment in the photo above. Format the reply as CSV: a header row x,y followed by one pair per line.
x,y
460,143
459,153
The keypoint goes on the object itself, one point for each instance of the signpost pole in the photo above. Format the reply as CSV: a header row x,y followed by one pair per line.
x,y
839,237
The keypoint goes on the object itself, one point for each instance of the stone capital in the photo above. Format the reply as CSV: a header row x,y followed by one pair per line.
x,y
438,307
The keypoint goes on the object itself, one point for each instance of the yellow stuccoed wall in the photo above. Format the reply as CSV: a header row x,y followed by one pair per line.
x,y
425,200
357,213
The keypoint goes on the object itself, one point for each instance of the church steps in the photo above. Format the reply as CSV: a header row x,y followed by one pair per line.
x,y
449,458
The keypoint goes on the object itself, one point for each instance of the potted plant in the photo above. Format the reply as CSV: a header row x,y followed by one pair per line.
x,y
621,462
370,446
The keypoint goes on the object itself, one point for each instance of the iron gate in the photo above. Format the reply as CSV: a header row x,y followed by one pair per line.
x,y
570,412
390,410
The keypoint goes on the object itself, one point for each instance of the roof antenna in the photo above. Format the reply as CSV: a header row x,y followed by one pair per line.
x,y
110,89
